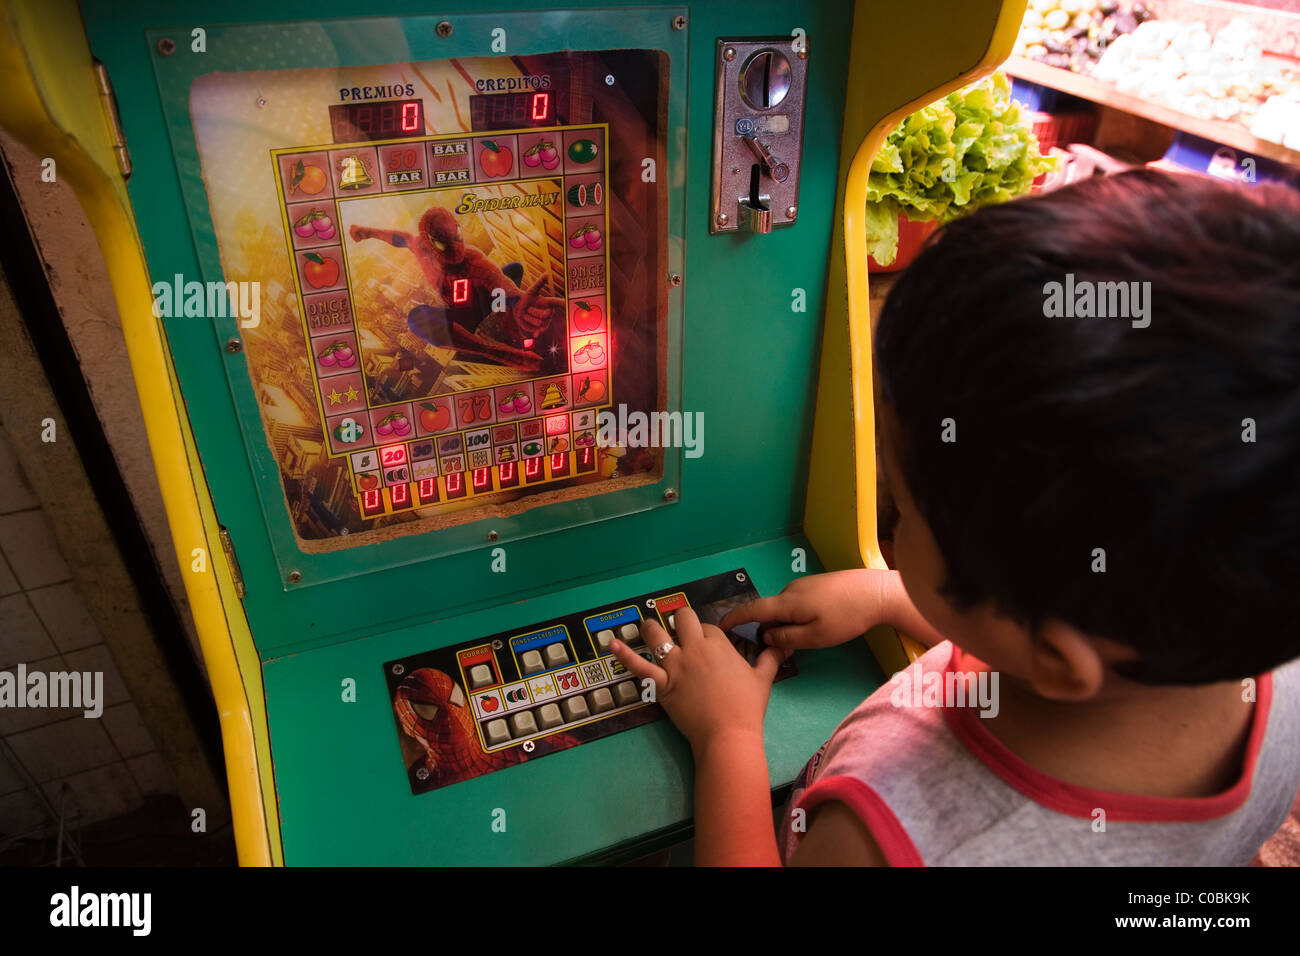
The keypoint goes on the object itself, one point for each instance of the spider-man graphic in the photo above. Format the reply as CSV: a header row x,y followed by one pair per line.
x,y
434,712
467,282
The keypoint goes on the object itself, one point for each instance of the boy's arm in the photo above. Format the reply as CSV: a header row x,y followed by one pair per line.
x,y
394,237
837,838
733,807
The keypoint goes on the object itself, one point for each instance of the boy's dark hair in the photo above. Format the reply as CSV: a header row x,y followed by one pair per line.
x,y
1074,434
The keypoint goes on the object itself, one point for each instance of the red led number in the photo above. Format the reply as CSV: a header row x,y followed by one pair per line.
x,y
508,472
371,500
428,488
459,291
482,478
541,106
400,493
410,117
533,467
454,482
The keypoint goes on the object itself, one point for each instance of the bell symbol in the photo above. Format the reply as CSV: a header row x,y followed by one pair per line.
x,y
354,174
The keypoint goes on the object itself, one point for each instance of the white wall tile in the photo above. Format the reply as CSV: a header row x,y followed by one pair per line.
x,y
22,638
29,545
99,658
65,616
62,749
152,774
99,794
128,731
8,583
15,493
20,812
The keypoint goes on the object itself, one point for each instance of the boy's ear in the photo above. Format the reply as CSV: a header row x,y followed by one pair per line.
x,y
1064,663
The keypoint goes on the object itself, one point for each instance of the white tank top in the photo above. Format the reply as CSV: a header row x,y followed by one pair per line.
x,y
935,788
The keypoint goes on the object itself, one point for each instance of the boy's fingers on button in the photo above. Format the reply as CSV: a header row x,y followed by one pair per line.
x,y
686,622
637,664
761,610
791,636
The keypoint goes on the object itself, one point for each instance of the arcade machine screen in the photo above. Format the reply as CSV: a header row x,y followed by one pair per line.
x,y
460,264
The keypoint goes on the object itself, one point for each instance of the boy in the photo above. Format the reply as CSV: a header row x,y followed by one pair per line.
x,y
1099,518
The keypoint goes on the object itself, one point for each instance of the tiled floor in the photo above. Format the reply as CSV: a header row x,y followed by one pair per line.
x,y
97,768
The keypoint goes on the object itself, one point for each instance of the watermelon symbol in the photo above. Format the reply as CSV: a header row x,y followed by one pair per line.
x,y
585,195
517,696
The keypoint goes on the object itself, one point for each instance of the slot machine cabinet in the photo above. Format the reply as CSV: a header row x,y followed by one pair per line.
x,y
478,240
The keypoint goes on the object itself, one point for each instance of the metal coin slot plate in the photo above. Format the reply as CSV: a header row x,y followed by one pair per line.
x,y
746,134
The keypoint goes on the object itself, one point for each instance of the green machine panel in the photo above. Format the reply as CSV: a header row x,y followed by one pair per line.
x,y
464,362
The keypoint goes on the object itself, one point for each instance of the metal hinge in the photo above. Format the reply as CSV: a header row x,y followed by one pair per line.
x,y
228,546
115,130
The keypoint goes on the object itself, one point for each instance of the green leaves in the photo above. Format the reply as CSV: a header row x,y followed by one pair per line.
x,y
970,149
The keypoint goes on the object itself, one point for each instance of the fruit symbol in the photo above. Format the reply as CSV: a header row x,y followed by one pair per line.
x,y
582,151
591,352
518,695
307,179
434,416
337,353
315,223
494,160
395,423
532,449
349,430
559,444
585,195
516,403
368,482
542,154
585,439
587,317
489,703
591,390
320,271
588,235
353,173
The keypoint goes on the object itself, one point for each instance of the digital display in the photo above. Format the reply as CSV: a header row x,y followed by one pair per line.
x,y
511,110
388,119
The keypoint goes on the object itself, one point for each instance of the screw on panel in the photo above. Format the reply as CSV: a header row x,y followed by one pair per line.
x,y
234,346
422,774
399,669
740,576
675,279
679,22
166,46
790,211
729,54
670,494
492,535
443,29
723,219
295,577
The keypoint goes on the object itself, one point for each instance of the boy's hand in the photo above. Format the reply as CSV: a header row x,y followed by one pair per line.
x,y
821,610
701,680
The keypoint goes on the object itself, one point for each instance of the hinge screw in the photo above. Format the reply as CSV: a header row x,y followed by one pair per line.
x,y
166,46
675,279
729,54
234,346
670,494
295,577
443,29
679,22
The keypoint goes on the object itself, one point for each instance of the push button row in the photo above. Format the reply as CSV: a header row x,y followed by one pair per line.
x,y
529,723
553,655
628,634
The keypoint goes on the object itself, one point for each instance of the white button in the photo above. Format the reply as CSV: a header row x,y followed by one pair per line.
x,y
480,675
497,732
672,622
532,662
523,724
548,716
629,633
625,693
575,708
603,638
556,655
601,700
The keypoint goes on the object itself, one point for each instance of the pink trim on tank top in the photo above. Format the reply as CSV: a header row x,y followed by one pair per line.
x,y
1078,801
895,845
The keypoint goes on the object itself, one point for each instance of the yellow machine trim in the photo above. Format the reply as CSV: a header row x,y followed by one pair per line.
x,y
903,57
52,105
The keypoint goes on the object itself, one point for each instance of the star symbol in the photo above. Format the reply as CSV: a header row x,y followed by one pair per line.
x,y
335,397
352,393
